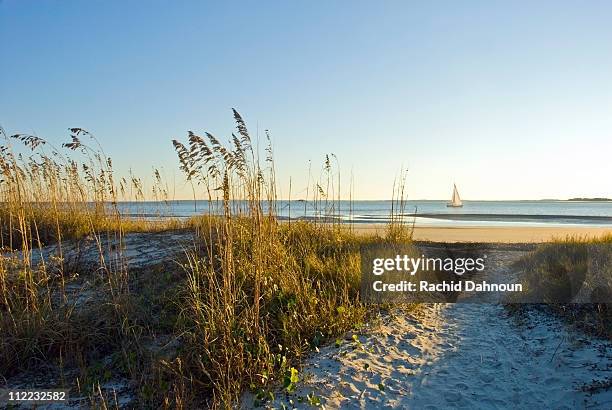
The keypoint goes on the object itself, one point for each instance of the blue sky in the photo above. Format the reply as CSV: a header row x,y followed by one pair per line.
x,y
512,100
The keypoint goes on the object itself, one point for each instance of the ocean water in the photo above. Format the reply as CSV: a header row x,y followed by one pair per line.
x,y
423,213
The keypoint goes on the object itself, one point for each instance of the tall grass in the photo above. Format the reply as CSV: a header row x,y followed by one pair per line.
x,y
41,201
46,198
260,294
244,305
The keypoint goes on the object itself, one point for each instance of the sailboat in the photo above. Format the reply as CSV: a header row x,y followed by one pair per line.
x,y
455,200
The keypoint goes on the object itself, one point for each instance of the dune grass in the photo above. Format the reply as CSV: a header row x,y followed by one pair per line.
x,y
49,196
569,268
239,310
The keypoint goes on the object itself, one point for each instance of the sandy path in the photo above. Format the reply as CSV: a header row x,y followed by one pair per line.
x,y
463,355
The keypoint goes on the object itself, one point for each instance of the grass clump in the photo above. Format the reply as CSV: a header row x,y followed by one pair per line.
x,y
572,276
308,293
259,294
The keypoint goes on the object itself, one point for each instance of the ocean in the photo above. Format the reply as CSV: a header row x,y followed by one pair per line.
x,y
422,212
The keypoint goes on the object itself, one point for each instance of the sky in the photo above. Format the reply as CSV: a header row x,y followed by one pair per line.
x,y
510,100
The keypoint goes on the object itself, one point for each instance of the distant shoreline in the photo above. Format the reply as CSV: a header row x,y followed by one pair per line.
x,y
591,199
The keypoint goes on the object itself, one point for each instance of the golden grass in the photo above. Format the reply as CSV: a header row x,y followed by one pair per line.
x,y
555,270
244,305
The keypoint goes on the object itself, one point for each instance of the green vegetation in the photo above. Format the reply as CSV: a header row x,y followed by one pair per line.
x,y
238,310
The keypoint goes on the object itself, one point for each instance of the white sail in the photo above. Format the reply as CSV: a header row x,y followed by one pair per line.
x,y
456,199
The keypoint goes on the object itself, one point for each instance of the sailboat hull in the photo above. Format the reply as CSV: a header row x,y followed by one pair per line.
x,y
454,206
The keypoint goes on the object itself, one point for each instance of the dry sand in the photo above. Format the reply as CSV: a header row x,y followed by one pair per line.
x,y
461,355
490,234
466,355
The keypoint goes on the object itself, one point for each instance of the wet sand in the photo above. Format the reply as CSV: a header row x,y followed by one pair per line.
x,y
491,234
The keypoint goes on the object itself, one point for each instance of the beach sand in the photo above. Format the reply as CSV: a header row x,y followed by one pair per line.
x,y
459,355
471,356
491,234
